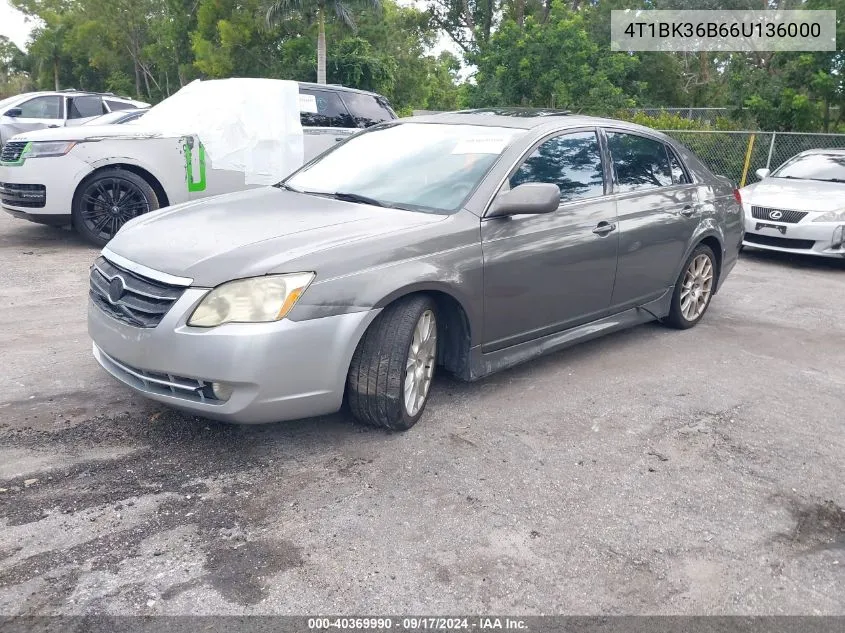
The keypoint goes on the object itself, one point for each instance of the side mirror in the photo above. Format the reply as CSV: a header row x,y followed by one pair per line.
x,y
762,173
529,198
14,112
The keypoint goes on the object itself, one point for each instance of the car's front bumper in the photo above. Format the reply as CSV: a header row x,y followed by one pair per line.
x,y
805,238
278,371
41,189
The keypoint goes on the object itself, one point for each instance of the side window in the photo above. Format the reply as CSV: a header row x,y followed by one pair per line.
x,y
365,109
118,105
679,174
571,161
639,162
42,108
84,107
321,108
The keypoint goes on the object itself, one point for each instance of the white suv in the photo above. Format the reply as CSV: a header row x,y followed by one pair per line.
x,y
39,110
210,138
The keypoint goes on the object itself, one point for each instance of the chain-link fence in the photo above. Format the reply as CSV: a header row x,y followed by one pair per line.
x,y
738,155
708,115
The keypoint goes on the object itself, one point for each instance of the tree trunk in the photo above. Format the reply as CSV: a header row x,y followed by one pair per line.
x,y
520,12
137,79
56,72
487,23
547,9
321,48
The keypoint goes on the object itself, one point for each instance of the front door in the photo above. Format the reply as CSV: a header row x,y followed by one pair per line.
x,y
546,273
35,114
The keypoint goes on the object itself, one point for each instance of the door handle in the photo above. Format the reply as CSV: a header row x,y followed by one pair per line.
x,y
603,228
688,210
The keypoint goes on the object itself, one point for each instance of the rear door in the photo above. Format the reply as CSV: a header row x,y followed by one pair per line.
x,y
657,207
546,273
325,120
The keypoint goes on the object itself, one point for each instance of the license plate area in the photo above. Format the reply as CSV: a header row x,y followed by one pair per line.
x,y
777,227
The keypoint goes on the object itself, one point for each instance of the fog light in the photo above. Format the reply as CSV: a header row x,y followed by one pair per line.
x,y
838,240
221,390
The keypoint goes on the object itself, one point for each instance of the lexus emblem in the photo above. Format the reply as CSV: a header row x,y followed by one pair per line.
x,y
116,289
775,214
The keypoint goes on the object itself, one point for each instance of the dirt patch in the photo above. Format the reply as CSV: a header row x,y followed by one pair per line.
x,y
240,572
821,525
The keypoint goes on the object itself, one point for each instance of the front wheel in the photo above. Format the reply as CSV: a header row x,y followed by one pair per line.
x,y
694,289
107,201
393,367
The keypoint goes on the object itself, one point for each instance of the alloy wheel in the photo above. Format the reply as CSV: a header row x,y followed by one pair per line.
x,y
419,367
107,204
697,287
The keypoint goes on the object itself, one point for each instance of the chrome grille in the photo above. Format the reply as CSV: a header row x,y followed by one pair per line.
x,y
782,215
12,151
134,299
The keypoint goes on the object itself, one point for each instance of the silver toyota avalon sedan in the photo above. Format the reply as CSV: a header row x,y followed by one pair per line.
x,y
468,241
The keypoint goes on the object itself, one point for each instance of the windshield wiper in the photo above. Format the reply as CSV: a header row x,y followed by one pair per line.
x,y
346,196
357,197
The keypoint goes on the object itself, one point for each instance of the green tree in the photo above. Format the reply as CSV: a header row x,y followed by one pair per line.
x,y
279,10
551,64
13,65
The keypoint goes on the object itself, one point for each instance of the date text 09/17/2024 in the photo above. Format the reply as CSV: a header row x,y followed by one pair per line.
x,y
417,623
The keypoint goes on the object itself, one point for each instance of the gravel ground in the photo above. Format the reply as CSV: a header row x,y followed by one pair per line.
x,y
652,471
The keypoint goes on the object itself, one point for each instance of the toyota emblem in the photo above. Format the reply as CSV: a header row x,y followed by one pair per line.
x,y
116,289
775,214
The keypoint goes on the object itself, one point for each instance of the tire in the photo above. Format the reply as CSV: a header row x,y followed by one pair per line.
x,y
108,200
375,385
681,316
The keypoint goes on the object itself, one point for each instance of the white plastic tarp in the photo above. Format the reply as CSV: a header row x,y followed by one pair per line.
x,y
248,125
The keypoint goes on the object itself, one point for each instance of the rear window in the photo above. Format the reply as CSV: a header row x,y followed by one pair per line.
x,y
84,107
639,162
366,110
119,105
322,108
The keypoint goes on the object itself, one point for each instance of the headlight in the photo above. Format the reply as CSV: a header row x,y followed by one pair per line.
x,y
255,300
43,149
832,216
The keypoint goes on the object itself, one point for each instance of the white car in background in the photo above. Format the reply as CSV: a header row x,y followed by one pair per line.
x,y
39,110
211,137
800,206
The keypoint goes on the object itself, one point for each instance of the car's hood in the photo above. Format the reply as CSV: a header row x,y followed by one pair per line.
x,y
88,132
801,195
251,233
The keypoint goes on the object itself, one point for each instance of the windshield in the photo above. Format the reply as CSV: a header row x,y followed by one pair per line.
x,y
820,166
424,166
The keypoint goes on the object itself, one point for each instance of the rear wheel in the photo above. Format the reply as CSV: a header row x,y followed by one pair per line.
x,y
108,200
393,367
694,289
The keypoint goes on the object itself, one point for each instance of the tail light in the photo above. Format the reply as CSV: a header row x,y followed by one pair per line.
x,y
737,196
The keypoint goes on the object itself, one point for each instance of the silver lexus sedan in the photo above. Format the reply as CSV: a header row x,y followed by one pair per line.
x,y
468,241
799,207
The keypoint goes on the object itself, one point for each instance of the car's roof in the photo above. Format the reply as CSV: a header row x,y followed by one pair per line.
x,y
522,118
41,93
839,151
338,88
